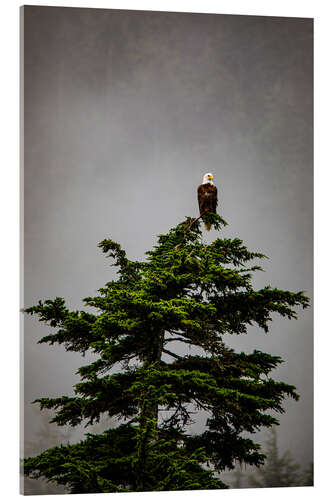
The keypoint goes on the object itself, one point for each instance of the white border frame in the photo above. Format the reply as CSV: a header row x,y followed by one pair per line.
x,y
9,30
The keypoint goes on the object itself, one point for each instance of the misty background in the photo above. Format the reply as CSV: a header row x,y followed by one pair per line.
x,y
124,112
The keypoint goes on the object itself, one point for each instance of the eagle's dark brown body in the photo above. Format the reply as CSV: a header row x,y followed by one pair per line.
x,y
207,199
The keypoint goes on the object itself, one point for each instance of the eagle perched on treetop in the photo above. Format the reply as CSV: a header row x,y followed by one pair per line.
x,y
207,198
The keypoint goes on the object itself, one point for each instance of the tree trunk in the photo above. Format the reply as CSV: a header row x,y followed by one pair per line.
x,y
148,418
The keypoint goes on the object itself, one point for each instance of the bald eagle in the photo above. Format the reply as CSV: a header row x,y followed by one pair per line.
x,y
207,198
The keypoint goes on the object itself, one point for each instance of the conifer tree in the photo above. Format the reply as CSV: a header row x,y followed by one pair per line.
x,y
186,293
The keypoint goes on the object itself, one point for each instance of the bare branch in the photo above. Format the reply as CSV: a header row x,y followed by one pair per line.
x,y
172,354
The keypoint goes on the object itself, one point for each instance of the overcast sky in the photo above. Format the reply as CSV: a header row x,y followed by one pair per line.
x,y
124,112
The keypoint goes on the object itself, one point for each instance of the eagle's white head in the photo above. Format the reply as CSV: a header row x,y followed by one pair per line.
x,y
208,179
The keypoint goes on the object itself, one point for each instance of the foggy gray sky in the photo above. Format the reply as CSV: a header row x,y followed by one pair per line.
x,y
124,112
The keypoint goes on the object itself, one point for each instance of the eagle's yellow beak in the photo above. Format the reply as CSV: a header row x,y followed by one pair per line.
x,y
211,177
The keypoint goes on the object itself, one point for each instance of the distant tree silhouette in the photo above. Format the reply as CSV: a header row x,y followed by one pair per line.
x,y
47,436
238,478
307,476
278,471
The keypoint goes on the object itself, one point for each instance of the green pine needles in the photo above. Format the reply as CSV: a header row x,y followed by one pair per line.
x,y
186,293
